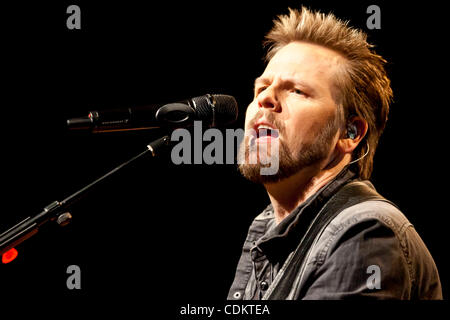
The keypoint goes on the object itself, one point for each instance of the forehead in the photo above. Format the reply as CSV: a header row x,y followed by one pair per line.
x,y
305,62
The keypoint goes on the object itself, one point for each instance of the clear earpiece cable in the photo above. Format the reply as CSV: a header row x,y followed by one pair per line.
x,y
365,154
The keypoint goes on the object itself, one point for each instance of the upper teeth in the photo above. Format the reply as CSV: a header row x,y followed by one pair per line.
x,y
264,127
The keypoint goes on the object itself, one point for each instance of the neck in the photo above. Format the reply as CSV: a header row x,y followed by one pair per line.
x,y
289,193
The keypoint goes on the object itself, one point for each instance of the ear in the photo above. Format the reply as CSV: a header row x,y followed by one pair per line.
x,y
346,144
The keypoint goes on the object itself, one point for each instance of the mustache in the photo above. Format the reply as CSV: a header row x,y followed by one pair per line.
x,y
269,116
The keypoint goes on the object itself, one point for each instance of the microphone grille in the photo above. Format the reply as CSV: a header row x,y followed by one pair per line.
x,y
225,108
203,107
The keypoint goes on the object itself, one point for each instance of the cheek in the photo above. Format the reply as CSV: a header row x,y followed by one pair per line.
x,y
302,126
304,130
309,122
250,113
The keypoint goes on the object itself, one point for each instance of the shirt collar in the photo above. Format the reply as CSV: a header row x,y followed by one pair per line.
x,y
280,239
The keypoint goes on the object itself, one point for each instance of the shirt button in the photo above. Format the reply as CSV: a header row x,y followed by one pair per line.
x,y
237,295
264,285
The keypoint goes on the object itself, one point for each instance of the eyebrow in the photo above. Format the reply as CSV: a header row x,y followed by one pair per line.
x,y
261,81
301,83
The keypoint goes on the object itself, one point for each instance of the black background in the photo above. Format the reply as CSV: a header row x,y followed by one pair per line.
x,y
175,232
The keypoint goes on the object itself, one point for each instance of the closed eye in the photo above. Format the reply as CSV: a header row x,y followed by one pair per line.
x,y
260,89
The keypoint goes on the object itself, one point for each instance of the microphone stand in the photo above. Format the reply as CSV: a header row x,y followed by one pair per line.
x,y
57,210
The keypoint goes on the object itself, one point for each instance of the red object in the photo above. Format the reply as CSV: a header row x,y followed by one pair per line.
x,y
9,255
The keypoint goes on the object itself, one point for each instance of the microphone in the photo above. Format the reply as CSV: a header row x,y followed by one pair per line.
x,y
214,109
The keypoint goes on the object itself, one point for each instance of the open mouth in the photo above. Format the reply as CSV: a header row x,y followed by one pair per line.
x,y
266,133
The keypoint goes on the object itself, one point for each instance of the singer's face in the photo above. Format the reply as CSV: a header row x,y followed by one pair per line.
x,y
294,97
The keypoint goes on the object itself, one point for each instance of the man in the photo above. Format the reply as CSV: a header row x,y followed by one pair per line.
x,y
323,101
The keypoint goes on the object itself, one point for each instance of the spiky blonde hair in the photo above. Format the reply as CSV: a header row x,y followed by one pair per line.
x,y
361,86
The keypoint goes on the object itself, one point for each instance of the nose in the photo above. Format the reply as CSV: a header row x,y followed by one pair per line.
x,y
269,99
